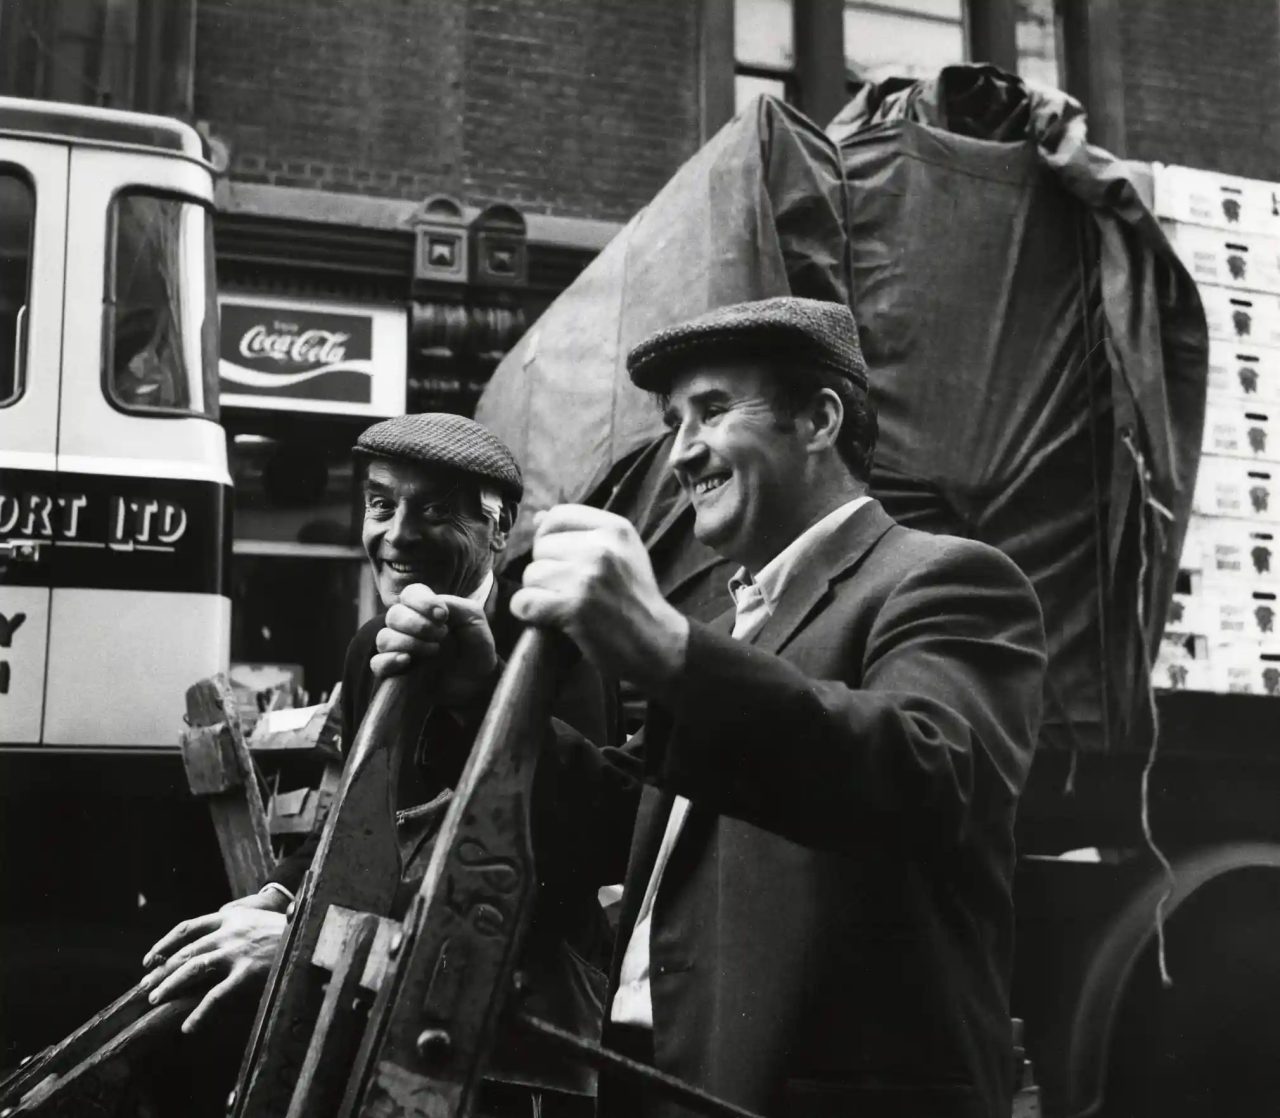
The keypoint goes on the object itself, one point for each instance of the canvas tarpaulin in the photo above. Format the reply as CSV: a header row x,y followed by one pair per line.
x,y
1037,353
1039,363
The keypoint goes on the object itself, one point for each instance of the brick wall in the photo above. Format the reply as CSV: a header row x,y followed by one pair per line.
x,y
575,107
1202,82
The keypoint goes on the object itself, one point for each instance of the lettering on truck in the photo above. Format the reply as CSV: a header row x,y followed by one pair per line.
x,y
111,532
149,524
106,532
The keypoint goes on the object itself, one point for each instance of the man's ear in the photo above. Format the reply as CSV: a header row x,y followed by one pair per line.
x,y
826,416
502,529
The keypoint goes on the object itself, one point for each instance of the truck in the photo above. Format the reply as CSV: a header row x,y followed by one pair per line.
x,y
1148,897
114,546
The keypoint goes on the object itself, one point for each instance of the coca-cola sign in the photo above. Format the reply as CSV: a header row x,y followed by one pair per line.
x,y
312,357
300,350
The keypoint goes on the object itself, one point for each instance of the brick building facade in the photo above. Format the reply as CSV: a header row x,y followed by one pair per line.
x,y
551,106
580,109
1200,81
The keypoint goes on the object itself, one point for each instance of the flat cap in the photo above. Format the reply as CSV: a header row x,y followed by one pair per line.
x,y
447,440
798,331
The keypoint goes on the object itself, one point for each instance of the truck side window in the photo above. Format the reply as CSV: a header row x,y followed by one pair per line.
x,y
157,305
17,220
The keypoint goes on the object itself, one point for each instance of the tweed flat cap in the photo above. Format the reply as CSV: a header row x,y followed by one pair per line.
x,y
443,439
798,331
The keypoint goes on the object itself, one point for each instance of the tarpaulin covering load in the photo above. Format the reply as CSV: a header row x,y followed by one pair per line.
x,y
1038,357
1037,353
758,211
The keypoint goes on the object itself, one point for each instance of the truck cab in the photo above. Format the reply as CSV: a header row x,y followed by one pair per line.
x,y
114,486
114,548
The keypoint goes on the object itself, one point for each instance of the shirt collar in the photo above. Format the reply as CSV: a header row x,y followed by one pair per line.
x,y
776,574
481,593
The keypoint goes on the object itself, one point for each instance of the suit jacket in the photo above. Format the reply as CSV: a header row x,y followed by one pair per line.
x,y
833,932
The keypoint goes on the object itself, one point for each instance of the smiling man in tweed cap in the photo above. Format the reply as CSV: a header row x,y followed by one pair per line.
x,y
440,495
816,917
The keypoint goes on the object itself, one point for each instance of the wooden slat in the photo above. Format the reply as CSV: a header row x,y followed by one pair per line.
x,y
464,929
309,729
69,1070
357,866
337,1027
59,1058
335,934
209,756
220,770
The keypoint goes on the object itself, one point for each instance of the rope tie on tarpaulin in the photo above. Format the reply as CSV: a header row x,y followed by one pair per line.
x,y
1160,515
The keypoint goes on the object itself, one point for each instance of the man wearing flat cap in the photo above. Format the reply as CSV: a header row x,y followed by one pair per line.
x,y
440,495
816,917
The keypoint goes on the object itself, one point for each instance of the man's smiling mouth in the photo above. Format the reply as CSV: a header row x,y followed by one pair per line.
x,y
401,568
710,483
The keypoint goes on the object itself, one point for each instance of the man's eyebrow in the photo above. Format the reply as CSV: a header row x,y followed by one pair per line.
x,y
697,400
372,485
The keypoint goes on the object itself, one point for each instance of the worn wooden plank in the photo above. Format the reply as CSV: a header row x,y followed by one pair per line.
x,y
246,863
293,813
220,770
209,756
335,933
70,1071
434,1019
97,1083
60,1058
357,866
337,1027
313,731
305,729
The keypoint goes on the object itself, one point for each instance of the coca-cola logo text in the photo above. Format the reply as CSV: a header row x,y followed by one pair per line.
x,y
283,343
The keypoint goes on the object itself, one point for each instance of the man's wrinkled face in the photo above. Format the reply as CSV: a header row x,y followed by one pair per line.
x,y
741,463
423,524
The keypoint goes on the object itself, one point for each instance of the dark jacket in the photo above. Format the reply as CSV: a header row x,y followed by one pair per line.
x,y
568,941
584,703
833,933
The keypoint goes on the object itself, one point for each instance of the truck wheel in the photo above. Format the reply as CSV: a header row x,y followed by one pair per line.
x,y
1207,1046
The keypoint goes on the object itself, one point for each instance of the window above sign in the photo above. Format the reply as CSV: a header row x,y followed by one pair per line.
x,y
902,38
763,49
1039,43
887,38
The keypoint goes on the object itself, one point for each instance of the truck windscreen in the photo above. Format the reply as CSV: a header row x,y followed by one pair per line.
x,y
17,217
160,306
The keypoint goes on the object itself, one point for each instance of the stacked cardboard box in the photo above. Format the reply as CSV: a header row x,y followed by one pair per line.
x,y
1223,631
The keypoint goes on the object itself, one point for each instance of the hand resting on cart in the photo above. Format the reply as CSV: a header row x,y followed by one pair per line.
x,y
223,953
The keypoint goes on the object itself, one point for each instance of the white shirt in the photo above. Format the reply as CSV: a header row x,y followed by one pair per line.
x,y
481,593
754,601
